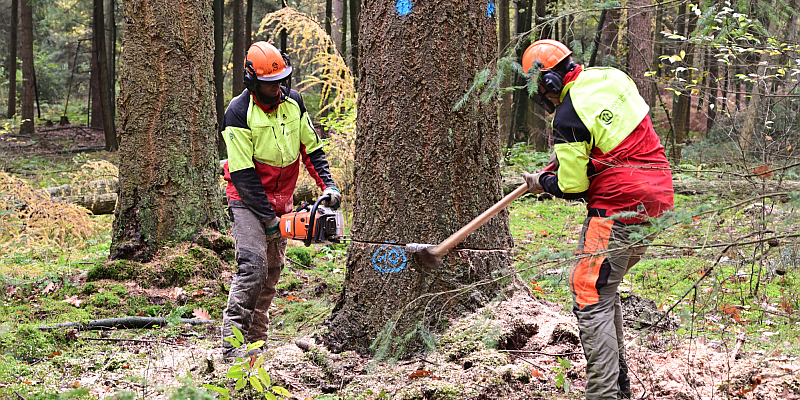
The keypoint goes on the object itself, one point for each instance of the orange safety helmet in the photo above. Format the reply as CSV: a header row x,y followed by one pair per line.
x,y
265,63
546,52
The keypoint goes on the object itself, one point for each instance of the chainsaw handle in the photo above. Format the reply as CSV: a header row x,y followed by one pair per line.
x,y
312,219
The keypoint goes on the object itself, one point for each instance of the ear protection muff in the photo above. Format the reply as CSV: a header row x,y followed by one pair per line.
x,y
552,81
249,74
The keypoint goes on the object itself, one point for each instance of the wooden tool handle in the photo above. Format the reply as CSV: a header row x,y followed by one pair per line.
x,y
476,223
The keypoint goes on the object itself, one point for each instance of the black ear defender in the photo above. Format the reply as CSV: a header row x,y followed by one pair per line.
x,y
249,74
552,81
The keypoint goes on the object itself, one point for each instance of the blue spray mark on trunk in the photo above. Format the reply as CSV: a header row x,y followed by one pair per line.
x,y
389,259
403,7
490,10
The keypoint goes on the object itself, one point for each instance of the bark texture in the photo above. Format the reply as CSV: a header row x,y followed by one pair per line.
x,y
641,48
168,174
422,172
26,56
12,60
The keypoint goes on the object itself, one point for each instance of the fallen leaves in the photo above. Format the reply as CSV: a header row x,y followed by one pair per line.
x,y
201,313
73,300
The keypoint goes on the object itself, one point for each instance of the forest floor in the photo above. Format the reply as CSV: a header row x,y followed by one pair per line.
x,y
731,331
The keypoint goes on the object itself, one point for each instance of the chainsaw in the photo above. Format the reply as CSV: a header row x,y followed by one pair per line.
x,y
315,224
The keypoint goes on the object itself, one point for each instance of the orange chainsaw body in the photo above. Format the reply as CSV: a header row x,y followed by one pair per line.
x,y
328,226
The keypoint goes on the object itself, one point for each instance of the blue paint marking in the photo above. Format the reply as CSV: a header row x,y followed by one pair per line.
x,y
490,9
403,7
389,259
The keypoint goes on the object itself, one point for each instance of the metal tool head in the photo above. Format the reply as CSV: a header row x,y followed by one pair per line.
x,y
429,258
417,247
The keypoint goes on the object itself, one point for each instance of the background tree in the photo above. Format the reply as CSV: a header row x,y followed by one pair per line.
x,y
219,76
168,168
239,48
12,59
109,127
640,53
422,172
28,72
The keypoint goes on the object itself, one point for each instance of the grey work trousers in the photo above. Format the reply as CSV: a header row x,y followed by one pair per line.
x,y
260,263
605,259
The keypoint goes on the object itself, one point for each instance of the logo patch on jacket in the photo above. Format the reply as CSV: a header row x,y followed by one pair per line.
x,y
606,117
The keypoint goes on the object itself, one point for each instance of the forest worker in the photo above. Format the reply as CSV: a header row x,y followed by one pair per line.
x,y
608,154
268,133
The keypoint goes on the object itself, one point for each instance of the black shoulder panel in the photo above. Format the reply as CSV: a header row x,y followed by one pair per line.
x,y
295,95
236,115
567,125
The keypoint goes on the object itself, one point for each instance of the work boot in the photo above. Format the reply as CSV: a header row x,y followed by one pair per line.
x,y
230,355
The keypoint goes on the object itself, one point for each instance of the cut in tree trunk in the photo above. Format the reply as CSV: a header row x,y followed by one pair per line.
x,y
168,168
12,60
422,172
26,56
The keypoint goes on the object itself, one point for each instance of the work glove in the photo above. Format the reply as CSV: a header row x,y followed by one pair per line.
x,y
553,160
335,200
532,180
272,229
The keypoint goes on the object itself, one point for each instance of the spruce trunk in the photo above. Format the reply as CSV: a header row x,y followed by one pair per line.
x,y
422,172
169,170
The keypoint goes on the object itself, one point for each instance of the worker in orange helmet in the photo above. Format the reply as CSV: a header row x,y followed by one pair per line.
x,y
607,153
268,133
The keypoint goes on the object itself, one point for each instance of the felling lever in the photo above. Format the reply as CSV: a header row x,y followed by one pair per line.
x,y
431,256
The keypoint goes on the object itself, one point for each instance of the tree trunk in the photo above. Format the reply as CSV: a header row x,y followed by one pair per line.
x,y
535,116
168,168
97,105
608,44
680,105
640,50
102,67
12,60
503,39
519,110
239,49
329,17
26,56
422,172
336,23
248,24
355,25
713,84
219,77
111,52
343,46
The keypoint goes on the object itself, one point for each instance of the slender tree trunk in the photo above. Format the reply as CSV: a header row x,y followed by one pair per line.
x,y
659,24
640,50
97,105
355,11
28,73
219,77
598,36
608,44
681,104
168,167
111,50
535,116
713,84
102,68
248,24
239,49
414,154
503,39
336,23
519,111
329,17
343,46
12,60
